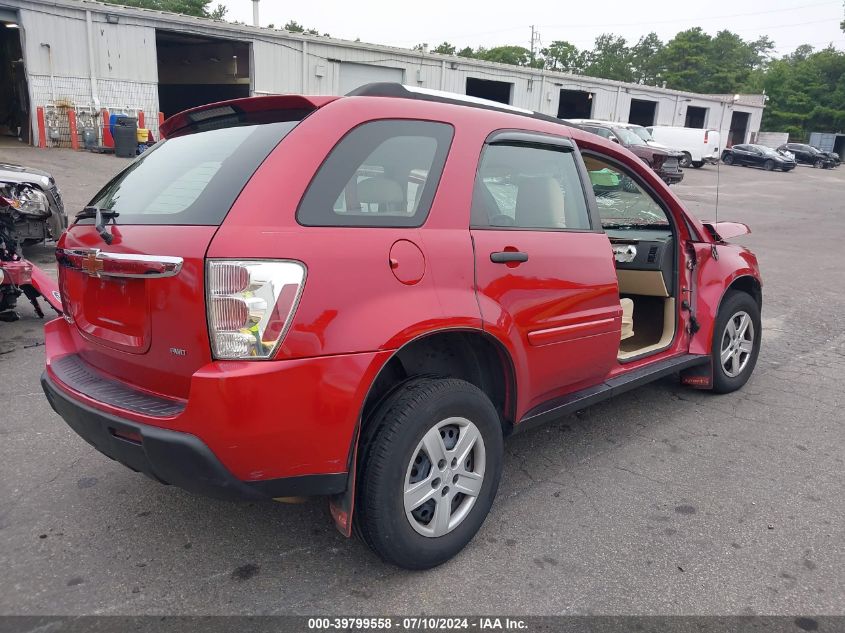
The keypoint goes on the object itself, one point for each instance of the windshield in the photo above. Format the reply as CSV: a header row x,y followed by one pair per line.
x,y
628,137
191,179
768,151
642,133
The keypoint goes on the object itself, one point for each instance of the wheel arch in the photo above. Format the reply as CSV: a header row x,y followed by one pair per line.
x,y
744,280
748,284
470,354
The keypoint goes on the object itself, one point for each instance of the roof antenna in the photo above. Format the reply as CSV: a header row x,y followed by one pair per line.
x,y
725,106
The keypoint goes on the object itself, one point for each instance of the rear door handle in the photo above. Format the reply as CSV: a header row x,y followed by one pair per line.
x,y
504,257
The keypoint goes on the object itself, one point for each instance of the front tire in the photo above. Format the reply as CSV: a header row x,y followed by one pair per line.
x,y
818,164
769,165
429,471
736,341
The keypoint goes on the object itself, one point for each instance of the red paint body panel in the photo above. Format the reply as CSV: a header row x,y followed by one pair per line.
x,y
47,287
261,420
127,327
178,122
559,316
367,293
715,276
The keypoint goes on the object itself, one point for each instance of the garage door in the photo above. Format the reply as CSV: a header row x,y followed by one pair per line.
x,y
356,75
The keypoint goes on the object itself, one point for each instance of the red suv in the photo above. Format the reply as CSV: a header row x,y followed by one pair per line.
x,y
361,297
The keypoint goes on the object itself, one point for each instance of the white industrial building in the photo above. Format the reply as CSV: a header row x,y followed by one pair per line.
x,y
87,56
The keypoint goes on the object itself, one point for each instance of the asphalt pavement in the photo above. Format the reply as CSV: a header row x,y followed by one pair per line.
x,y
665,500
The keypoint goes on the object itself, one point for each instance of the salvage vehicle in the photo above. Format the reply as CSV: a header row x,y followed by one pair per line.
x,y
36,204
18,276
361,297
809,155
757,156
663,161
698,145
639,130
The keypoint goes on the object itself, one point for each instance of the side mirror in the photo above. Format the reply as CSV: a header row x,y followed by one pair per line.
x,y
614,139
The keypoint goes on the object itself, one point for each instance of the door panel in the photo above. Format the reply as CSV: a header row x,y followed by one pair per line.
x,y
560,307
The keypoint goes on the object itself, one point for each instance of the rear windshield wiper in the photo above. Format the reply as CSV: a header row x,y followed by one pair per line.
x,y
101,218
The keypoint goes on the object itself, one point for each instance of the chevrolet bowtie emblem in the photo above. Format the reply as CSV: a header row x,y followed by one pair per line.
x,y
92,264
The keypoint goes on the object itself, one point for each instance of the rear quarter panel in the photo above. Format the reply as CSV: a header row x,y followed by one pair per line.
x,y
352,301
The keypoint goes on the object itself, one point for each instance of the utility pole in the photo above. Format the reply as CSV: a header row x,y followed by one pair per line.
x,y
535,40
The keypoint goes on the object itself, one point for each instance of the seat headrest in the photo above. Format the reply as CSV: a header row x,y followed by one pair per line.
x,y
540,204
378,190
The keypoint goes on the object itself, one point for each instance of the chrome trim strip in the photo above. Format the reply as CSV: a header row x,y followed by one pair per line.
x,y
149,266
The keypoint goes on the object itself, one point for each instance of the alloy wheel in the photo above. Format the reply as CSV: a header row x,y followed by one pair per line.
x,y
444,477
737,344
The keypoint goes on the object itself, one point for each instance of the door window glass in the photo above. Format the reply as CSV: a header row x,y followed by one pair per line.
x,y
528,187
622,202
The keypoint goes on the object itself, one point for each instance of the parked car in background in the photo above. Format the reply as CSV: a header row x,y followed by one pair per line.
x,y
430,276
639,130
35,212
666,163
809,155
757,156
698,145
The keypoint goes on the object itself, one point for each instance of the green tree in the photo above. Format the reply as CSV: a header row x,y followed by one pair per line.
x,y
295,27
515,55
806,92
611,58
198,8
646,60
444,49
686,60
563,56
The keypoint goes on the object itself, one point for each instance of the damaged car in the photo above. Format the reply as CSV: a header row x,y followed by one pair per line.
x,y
35,212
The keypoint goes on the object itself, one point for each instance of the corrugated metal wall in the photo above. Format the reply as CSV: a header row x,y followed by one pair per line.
x,y
126,68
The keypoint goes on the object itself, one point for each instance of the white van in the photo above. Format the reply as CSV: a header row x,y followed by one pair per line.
x,y
699,145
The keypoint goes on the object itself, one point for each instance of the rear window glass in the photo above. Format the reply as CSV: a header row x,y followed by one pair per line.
x,y
383,173
191,179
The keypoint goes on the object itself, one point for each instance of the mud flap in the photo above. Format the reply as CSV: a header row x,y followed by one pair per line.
x,y
341,505
698,377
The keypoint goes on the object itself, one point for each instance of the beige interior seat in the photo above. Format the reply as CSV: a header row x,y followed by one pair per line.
x,y
627,318
540,204
384,192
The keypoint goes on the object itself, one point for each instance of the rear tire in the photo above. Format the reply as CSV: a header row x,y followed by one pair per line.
x,y
736,341
415,465
728,159
698,164
686,160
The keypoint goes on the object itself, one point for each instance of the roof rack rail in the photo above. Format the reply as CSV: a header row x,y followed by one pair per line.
x,y
401,91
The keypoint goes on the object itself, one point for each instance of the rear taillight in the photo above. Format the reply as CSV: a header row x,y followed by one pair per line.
x,y
250,305
706,135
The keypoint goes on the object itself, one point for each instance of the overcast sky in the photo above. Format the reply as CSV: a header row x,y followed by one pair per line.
x,y
495,22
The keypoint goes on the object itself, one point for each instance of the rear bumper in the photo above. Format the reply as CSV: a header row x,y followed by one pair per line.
x,y
275,427
171,457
